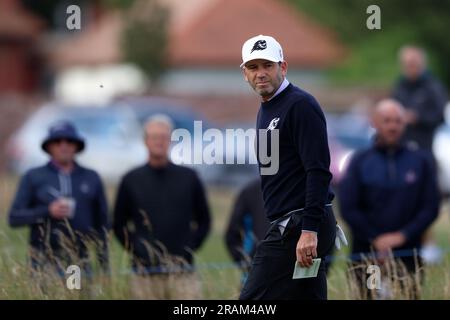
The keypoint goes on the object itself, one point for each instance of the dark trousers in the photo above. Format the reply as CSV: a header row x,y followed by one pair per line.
x,y
270,276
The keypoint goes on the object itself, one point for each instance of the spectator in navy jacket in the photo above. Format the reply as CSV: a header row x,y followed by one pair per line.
x,y
64,205
389,195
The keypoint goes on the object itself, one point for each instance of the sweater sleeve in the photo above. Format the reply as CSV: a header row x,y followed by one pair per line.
x,y
202,217
309,134
430,203
102,225
22,211
350,203
434,112
122,214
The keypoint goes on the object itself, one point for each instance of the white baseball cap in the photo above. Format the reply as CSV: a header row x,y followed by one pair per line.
x,y
261,47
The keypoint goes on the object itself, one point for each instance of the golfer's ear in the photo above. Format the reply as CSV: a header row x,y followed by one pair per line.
x,y
284,67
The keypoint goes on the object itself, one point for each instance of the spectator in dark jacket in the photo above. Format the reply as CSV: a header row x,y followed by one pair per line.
x,y
389,194
64,204
423,96
247,225
168,211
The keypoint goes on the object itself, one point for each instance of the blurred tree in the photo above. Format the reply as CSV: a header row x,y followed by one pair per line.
x,y
118,4
145,37
424,23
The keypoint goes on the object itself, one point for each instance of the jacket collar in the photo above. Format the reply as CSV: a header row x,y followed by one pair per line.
x,y
423,77
54,167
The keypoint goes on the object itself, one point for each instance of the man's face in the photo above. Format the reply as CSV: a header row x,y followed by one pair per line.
x,y
413,63
390,125
62,150
265,76
157,140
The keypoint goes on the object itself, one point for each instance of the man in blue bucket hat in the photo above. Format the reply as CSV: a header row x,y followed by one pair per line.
x,y
64,205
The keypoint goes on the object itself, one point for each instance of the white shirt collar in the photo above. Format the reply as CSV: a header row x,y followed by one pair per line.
x,y
283,86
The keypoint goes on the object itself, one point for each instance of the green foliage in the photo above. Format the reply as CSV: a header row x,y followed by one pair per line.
x,y
374,52
119,4
373,60
145,38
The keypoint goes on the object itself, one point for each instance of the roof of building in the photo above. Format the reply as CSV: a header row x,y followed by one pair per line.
x,y
216,35
210,33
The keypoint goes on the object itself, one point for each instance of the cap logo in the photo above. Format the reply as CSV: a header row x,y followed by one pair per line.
x,y
259,45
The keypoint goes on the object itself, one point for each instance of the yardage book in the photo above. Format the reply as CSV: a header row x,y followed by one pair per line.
x,y
302,273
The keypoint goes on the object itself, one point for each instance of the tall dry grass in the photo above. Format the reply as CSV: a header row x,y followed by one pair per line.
x,y
213,281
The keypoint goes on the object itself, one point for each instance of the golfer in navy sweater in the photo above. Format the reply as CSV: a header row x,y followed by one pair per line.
x,y
296,194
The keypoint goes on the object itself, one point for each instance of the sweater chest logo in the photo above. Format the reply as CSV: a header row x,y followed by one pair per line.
x,y
410,177
273,123
84,188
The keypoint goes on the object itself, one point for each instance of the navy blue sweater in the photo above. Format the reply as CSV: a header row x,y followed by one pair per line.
x,y
39,187
303,177
388,190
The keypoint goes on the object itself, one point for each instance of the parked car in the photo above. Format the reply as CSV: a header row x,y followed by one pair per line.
x,y
441,151
244,167
113,139
347,133
183,117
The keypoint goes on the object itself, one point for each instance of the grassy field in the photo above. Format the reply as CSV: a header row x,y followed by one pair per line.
x,y
218,278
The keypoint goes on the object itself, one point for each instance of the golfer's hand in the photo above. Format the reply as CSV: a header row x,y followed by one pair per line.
x,y
306,248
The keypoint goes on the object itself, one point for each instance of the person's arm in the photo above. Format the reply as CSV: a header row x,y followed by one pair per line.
x,y
309,133
430,203
122,213
398,93
102,225
201,216
433,114
234,232
350,198
22,212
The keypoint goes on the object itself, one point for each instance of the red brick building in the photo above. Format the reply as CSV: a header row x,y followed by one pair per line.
x,y
20,63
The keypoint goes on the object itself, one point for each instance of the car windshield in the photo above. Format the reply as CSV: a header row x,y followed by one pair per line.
x,y
352,131
181,118
101,124
107,126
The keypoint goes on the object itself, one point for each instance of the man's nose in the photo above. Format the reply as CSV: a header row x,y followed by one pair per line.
x,y
261,73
